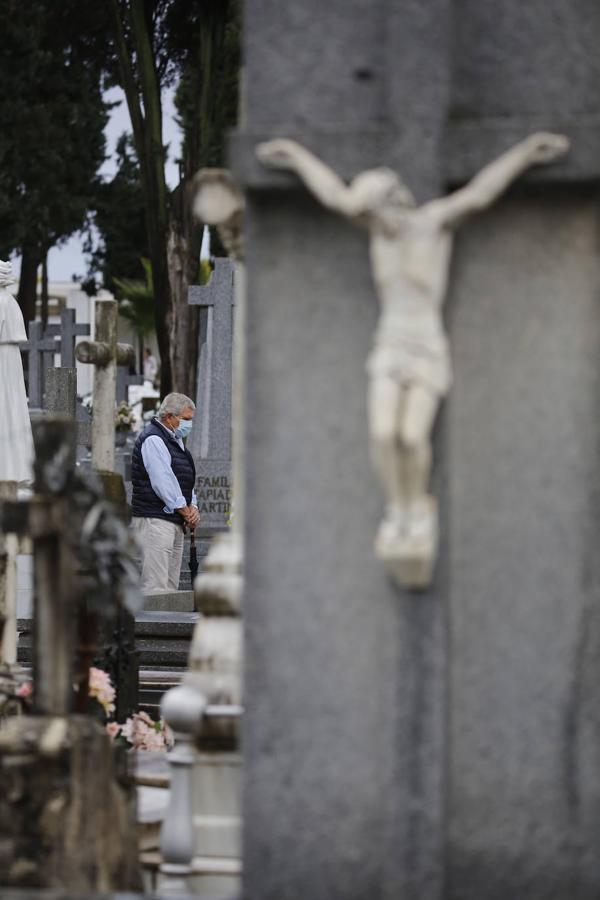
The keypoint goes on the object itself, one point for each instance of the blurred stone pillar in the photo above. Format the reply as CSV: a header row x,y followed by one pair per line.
x,y
344,680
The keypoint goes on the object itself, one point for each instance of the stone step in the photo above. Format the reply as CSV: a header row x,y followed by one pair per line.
x,y
153,684
170,601
162,638
152,623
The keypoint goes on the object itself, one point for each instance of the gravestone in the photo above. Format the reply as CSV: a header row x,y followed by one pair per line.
x,y
441,745
61,399
68,330
84,424
124,379
61,391
210,441
41,351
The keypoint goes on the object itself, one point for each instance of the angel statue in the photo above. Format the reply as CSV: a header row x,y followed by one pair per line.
x,y
16,442
409,366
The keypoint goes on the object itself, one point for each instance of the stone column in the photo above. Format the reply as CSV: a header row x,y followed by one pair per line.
x,y
444,745
105,354
343,731
105,386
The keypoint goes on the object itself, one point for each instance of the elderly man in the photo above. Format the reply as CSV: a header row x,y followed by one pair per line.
x,y
164,501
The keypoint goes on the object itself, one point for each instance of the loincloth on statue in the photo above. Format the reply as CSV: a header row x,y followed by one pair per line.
x,y
409,361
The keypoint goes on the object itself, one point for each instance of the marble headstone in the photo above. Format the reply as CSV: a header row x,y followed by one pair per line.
x,y
210,441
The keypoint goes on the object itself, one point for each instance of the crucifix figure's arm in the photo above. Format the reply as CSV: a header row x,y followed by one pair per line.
x,y
497,176
321,181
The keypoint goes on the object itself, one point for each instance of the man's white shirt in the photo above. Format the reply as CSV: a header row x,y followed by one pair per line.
x,y
157,461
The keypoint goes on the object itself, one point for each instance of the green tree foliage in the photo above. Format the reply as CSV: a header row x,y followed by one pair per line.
x,y
204,42
192,44
136,304
118,222
52,56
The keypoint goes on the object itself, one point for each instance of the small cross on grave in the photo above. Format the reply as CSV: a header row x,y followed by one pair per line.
x,y
68,331
210,441
41,351
105,354
124,379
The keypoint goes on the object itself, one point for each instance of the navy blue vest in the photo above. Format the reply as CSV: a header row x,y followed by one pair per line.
x,y
144,501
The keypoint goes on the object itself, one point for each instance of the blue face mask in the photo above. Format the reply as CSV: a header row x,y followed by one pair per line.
x,y
184,429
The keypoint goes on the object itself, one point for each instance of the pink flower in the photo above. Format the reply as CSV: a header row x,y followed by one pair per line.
x,y
143,733
144,717
100,687
25,689
152,741
113,729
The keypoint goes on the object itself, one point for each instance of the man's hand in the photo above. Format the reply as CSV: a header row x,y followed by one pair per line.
x,y
547,147
194,517
190,515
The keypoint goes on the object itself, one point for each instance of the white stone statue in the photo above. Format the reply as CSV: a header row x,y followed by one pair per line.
x,y
16,442
409,367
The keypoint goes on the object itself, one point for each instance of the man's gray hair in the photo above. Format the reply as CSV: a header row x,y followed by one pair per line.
x,y
174,404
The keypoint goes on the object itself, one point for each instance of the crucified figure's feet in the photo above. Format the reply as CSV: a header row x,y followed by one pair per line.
x,y
407,542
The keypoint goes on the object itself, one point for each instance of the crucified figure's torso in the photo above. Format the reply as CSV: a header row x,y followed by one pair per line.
x,y
409,366
411,257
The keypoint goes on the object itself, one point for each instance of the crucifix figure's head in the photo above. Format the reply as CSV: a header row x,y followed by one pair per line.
x,y
379,188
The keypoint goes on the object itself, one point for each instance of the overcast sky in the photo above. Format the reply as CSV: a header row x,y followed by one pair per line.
x,y
68,260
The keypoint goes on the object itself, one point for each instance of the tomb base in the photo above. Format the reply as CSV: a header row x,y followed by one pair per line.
x,y
67,807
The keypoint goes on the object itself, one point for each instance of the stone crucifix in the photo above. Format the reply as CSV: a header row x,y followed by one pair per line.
x,y
409,367
68,331
105,354
41,349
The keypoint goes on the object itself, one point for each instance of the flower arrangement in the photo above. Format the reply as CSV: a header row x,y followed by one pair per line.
x,y
139,732
124,417
101,689
143,733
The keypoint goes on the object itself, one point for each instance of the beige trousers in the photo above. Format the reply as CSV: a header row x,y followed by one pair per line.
x,y
161,544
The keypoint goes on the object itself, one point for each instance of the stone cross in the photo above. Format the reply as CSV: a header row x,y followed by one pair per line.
x,y
68,330
41,351
124,379
210,441
105,354
47,519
